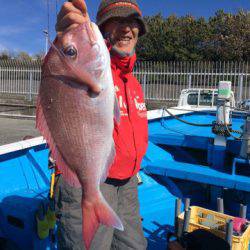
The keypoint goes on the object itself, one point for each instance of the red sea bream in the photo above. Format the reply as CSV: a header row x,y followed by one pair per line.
x,y
75,112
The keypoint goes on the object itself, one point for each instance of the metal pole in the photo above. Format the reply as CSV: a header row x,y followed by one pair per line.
x,y
30,87
46,44
243,211
240,88
144,85
229,233
189,81
177,212
187,203
220,205
186,220
46,33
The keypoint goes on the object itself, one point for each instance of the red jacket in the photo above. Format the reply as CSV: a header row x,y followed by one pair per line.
x,y
131,134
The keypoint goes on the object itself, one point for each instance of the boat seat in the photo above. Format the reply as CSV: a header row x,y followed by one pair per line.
x,y
25,182
163,164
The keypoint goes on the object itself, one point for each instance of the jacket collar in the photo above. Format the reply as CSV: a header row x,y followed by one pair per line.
x,y
124,64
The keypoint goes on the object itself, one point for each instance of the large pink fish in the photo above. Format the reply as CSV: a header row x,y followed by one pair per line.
x,y
75,112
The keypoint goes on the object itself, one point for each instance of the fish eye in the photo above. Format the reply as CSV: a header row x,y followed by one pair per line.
x,y
70,51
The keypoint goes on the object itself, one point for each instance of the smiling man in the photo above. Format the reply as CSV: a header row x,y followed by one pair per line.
x,y
121,24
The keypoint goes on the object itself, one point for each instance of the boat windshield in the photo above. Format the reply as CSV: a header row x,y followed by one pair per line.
x,y
204,99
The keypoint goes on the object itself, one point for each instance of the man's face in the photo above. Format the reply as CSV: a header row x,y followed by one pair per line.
x,y
123,33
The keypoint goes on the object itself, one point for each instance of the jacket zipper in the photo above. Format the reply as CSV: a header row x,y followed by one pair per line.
x,y
127,92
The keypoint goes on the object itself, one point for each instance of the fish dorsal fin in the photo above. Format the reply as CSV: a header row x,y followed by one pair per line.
x,y
117,114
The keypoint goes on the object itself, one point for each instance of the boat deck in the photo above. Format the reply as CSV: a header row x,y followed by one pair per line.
x,y
173,132
176,135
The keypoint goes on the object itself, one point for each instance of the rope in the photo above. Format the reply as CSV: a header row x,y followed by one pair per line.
x,y
229,132
220,129
189,123
236,131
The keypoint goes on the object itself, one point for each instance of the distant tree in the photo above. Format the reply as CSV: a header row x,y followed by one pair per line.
x,y
223,37
4,55
38,56
23,56
229,37
172,38
153,46
187,37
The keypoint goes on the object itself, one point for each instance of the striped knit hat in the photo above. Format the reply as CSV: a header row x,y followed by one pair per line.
x,y
120,8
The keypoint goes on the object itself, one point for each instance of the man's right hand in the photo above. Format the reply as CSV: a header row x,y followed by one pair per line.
x,y
71,15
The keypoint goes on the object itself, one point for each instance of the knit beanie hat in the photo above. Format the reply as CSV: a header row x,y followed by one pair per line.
x,y
120,8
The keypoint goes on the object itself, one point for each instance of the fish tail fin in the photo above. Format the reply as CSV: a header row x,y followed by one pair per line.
x,y
97,213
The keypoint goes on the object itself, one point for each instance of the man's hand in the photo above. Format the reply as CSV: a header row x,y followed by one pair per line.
x,y
71,15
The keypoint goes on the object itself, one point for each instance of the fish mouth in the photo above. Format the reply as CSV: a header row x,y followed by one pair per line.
x,y
69,80
77,84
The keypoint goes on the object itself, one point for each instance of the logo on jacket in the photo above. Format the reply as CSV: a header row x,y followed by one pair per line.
x,y
141,106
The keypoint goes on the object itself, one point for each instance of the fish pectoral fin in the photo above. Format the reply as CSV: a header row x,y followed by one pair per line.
x,y
117,114
95,213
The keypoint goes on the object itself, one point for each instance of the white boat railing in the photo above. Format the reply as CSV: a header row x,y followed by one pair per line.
x,y
20,145
25,144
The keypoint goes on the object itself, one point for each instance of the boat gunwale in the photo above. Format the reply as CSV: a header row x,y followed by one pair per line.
x,y
151,114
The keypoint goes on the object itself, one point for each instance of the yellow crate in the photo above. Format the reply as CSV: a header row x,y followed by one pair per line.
x,y
199,214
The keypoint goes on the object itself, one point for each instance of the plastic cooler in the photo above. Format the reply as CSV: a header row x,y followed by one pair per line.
x,y
215,222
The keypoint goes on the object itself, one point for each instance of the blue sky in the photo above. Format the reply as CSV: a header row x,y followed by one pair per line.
x,y
22,21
